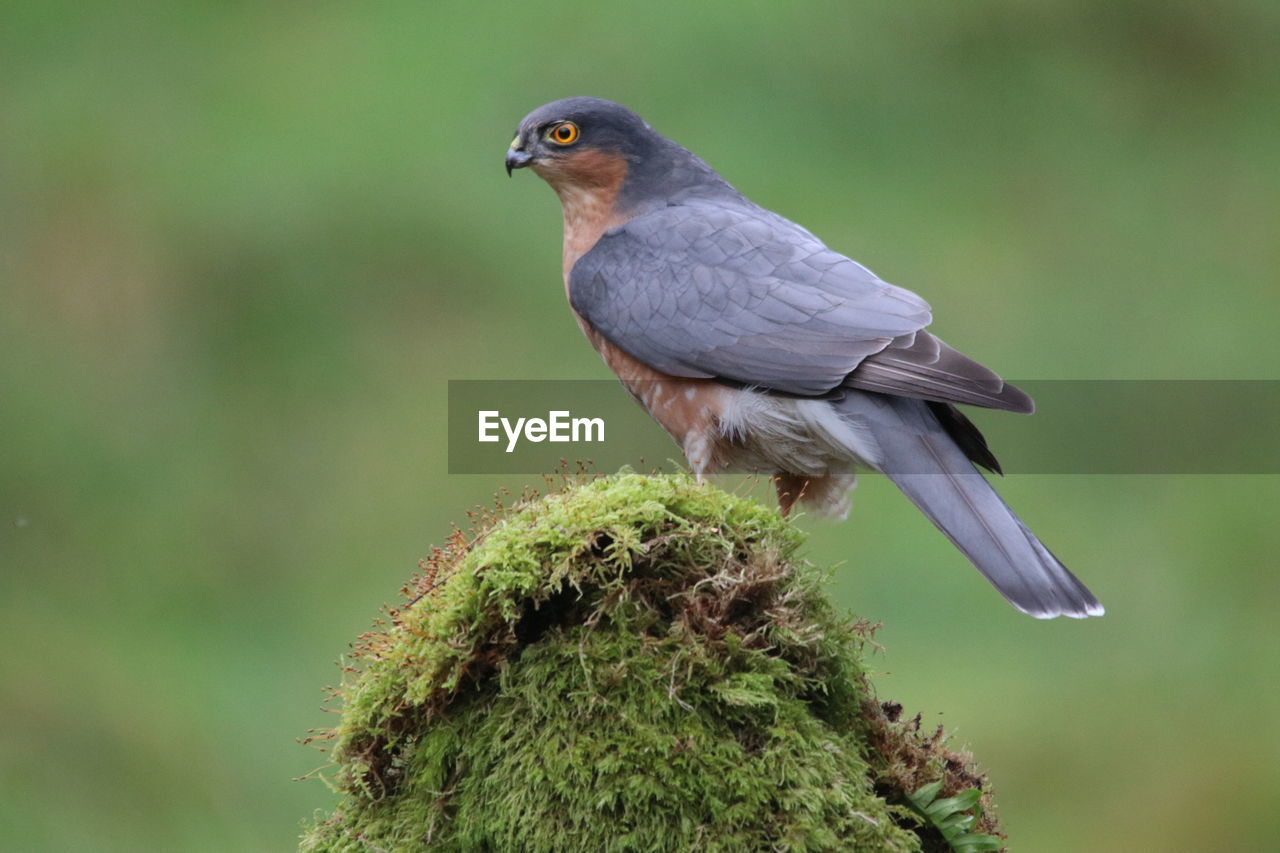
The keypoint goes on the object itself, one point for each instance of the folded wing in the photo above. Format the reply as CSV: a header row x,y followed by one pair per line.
x,y
740,294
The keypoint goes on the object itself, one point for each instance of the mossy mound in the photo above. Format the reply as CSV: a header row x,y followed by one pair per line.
x,y
634,663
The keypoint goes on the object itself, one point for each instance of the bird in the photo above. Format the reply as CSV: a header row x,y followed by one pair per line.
x,y
758,348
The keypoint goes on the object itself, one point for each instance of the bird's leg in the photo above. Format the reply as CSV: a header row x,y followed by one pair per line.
x,y
697,450
791,487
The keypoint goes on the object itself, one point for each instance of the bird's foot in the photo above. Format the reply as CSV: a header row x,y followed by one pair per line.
x,y
791,487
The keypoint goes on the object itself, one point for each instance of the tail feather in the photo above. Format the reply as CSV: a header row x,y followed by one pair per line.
x,y
922,460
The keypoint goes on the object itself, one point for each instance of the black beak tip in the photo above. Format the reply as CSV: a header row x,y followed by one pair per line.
x,y
517,159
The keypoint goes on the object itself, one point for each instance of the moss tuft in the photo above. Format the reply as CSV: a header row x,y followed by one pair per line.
x,y
632,663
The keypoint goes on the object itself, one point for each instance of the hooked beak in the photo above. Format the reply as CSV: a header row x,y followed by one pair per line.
x,y
517,159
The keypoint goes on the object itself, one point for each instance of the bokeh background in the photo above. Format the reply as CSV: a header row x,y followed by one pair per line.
x,y
244,245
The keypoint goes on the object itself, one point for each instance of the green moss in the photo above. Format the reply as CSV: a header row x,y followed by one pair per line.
x,y
635,663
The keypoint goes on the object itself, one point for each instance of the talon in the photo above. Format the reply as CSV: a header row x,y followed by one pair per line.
x,y
791,487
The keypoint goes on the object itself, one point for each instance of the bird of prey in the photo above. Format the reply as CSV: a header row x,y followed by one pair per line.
x,y
758,348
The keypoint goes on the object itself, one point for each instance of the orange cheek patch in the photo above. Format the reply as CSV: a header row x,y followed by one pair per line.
x,y
587,168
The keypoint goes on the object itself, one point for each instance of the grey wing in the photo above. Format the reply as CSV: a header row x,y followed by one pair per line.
x,y
735,293
740,294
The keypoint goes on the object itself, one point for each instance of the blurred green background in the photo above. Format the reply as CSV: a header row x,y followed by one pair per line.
x,y
244,245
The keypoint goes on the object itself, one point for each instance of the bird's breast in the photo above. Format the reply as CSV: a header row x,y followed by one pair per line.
x,y
688,409
587,215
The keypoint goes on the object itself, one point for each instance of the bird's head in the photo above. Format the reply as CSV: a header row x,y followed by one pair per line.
x,y
581,143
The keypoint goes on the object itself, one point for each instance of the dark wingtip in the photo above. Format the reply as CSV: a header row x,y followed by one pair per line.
x,y
967,435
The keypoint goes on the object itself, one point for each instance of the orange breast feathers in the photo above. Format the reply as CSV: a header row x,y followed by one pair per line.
x,y
688,409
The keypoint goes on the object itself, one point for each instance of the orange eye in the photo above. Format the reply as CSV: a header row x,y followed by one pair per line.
x,y
564,133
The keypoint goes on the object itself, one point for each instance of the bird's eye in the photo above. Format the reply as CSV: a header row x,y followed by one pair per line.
x,y
564,133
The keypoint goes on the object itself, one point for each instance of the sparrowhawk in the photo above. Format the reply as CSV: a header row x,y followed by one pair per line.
x,y
758,348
